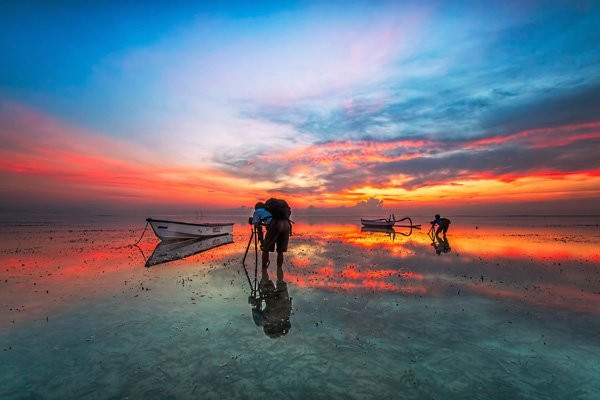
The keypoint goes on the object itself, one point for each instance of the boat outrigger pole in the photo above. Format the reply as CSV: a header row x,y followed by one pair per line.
x,y
411,225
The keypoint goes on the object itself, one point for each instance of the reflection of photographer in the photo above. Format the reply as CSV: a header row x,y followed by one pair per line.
x,y
275,316
442,246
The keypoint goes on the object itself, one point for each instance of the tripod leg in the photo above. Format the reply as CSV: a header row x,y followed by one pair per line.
x,y
244,263
255,262
248,247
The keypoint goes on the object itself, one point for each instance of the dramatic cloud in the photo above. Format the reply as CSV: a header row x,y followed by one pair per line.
x,y
323,104
42,157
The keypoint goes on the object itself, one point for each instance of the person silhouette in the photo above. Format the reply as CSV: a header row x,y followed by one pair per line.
x,y
443,225
274,317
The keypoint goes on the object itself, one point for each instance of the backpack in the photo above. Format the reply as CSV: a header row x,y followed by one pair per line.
x,y
279,209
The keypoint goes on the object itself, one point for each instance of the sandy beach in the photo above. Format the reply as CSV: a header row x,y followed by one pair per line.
x,y
512,311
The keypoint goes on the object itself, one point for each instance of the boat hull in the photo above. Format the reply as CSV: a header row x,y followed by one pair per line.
x,y
169,230
378,223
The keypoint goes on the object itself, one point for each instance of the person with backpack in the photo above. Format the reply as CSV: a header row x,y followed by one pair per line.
x,y
443,225
278,234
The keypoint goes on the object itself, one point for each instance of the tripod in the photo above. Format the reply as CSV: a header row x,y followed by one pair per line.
x,y
254,289
431,234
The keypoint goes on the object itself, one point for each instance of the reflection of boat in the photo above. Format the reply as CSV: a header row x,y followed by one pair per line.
x,y
172,250
388,222
377,229
166,230
390,231
374,229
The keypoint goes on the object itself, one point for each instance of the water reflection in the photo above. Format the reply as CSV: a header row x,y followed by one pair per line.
x,y
441,244
172,250
515,304
272,308
391,232
490,241
388,231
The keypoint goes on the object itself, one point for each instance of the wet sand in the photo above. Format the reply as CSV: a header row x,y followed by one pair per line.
x,y
512,311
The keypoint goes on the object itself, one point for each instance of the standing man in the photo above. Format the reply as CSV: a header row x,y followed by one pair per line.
x,y
278,235
443,225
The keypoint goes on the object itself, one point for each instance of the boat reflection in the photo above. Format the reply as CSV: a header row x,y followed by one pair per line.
x,y
391,232
388,231
167,251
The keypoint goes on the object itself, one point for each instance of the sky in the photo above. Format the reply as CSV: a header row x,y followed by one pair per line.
x,y
454,105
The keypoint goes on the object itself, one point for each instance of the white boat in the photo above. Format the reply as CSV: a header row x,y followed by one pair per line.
x,y
168,230
380,222
388,222
177,249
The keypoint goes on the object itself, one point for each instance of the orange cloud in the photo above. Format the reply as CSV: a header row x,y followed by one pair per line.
x,y
43,159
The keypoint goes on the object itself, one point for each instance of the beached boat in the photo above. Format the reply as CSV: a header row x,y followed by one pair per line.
x,y
167,230
177,249
388,222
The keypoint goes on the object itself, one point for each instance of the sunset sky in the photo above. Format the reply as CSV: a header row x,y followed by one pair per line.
x,y
492,106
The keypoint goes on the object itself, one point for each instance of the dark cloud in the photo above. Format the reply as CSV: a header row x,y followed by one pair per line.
x,y
506,161
558,107
297,190
529,76
372,204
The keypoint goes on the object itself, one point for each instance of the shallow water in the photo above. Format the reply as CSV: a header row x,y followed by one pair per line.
x,y
512,311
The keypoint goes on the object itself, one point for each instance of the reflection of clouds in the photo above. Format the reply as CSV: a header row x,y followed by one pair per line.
x,y
321,266
545,295
329,279
488,243
64,266
513,263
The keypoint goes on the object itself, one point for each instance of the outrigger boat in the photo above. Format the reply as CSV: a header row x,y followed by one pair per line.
x,y
169,230
388,223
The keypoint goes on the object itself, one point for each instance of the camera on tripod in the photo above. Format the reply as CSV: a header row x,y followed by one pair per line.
x,y
250,220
